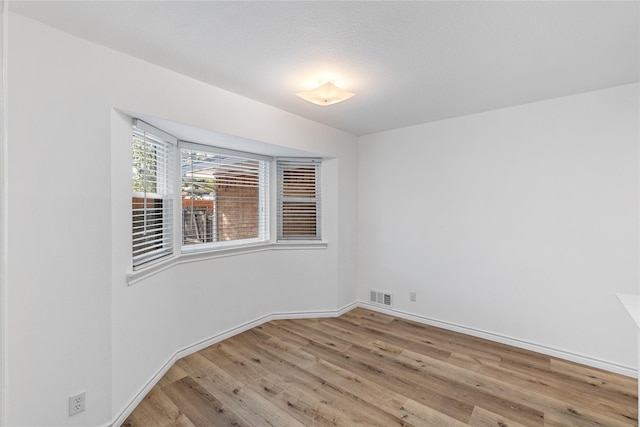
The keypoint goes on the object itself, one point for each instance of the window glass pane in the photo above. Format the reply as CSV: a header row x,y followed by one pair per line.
x,y
298,200
298,219
151,203
223,198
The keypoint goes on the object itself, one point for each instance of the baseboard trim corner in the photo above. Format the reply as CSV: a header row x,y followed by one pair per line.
x,y
193,348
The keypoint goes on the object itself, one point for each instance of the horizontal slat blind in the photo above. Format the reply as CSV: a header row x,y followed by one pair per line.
x,y
152,190
299,200
224,198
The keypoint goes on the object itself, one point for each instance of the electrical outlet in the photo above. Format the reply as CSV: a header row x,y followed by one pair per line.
x,y
412,296
76,404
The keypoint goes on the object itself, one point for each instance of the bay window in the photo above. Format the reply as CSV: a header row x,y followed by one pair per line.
x,y
223,200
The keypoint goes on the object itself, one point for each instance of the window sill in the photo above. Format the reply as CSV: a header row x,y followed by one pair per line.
x,y
195,256
300,244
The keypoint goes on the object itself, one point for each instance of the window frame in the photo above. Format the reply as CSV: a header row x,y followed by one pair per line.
x,y
281,168
164,183
264,166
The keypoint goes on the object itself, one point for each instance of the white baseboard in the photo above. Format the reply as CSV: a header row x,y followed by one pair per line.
x,y
561,354
186,351
314,314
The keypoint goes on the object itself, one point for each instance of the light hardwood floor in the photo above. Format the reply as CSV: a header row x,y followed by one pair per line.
x,y
369,369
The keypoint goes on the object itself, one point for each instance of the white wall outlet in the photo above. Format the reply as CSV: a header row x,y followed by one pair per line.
x,y
76,404
412,296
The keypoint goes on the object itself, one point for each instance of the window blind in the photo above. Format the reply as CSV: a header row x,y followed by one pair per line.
x,y
224,198
298,199
152,193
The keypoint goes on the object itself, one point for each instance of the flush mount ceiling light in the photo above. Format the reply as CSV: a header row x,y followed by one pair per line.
x,y
325,94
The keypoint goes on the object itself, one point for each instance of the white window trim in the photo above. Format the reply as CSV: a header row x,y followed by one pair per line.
x,y
318,200
264,224
169,143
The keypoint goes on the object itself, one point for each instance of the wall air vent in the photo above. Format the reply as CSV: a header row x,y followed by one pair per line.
x,y
381,298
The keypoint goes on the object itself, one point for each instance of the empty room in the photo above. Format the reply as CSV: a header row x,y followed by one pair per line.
x,y
319,213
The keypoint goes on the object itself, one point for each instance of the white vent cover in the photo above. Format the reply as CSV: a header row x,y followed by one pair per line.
x,y
381,298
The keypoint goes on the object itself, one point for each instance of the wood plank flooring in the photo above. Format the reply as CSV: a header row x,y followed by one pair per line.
x,y
370,369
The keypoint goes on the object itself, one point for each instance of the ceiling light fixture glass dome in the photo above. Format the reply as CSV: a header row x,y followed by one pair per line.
x,y
325,94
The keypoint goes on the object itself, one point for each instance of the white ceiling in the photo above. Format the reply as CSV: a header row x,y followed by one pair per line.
x,y
408,62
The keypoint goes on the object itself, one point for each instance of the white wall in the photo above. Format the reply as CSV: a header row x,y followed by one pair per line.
x,y
73,323
59,257
3,208
521,222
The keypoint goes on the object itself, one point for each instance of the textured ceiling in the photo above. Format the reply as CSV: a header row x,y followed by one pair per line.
x,y
408,62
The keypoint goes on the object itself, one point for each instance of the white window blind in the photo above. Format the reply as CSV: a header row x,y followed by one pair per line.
x,y
298,199
224,197
152,193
